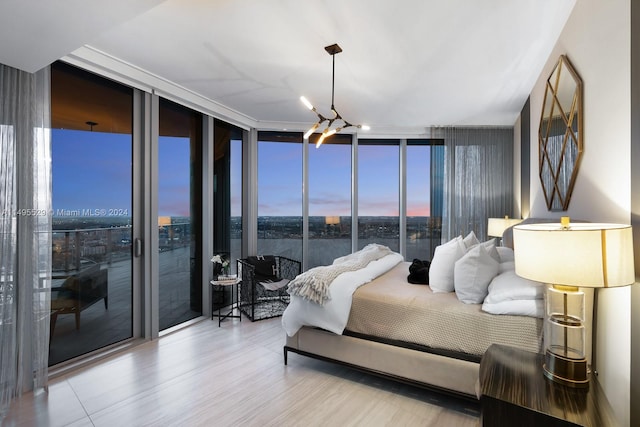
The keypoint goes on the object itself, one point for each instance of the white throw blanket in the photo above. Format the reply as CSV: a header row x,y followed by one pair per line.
x,y
314,284
334,314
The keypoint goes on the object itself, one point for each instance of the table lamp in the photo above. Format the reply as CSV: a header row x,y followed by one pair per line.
x,y
496,226
569,256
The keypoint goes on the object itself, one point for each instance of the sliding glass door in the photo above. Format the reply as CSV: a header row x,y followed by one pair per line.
x,y
179,214
91,155
103,150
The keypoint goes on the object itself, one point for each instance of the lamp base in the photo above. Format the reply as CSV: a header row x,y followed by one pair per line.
x,y
566,371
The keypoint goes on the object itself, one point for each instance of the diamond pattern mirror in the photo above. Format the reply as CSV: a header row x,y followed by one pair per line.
x,y
560,135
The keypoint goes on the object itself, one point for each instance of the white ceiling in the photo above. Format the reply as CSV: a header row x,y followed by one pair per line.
x,y
405,63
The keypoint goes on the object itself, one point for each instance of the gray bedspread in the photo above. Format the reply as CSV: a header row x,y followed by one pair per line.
x,y
390,307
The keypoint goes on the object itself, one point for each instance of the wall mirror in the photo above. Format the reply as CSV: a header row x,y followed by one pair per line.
x,y
560,135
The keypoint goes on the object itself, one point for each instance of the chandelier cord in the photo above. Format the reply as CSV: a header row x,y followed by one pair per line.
x,y
333,83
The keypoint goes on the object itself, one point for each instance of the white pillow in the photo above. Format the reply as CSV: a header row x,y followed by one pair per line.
x,y
519,307
509,286
490,247
506,254
442,264
506,266
470,240
473,273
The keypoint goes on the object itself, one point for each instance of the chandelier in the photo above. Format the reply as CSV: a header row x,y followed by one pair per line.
x,y
336,123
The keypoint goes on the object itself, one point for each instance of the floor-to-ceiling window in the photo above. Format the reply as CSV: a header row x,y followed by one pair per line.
x,y
237,142
280,194
424,203
91,156
329,200
379,193
227,188
179,214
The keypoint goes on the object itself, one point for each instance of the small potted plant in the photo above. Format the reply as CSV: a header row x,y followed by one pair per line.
x,y
220,265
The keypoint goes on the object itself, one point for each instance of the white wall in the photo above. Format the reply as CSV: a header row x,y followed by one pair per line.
x,y
597,41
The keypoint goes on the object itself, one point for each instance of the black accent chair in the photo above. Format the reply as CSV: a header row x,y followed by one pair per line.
x,y
263,290
79,292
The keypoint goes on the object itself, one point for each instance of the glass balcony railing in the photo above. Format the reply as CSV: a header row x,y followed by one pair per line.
x,y
72,249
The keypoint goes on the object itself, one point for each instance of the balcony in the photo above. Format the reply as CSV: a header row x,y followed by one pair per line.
x,y
75,250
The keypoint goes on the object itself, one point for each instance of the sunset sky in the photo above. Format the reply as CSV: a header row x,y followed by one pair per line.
x,y
93,171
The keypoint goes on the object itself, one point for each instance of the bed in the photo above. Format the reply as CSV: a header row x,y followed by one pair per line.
x,y
416,333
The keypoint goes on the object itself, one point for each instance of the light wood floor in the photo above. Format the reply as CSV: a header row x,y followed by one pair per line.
x,y
230,376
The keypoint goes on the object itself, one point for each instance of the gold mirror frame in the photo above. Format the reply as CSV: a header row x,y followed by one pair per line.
x,y
560,135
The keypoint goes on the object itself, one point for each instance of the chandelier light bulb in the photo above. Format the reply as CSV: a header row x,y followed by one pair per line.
x,y
306,103
321,139
311,130
327,133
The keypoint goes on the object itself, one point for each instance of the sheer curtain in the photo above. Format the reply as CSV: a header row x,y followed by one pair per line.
x,y
25,231
478,178
436,192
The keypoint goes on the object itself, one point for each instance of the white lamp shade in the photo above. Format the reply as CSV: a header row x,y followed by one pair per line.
x,y
496,226
584,255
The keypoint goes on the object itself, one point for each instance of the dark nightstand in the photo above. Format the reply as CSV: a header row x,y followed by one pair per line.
x,y
515,392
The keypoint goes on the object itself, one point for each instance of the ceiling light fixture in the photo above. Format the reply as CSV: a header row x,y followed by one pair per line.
x,y
337,118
